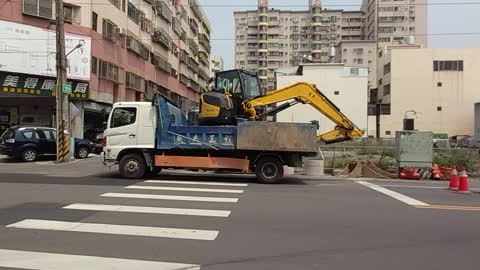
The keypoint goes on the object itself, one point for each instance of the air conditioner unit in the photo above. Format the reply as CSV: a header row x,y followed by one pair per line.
x,y
122,32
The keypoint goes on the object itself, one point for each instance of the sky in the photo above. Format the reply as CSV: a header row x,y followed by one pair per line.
x,y
442,19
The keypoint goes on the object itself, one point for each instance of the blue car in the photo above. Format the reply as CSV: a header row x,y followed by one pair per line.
x,y
28,143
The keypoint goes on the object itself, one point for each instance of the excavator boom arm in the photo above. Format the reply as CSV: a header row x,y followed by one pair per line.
x,y
309,94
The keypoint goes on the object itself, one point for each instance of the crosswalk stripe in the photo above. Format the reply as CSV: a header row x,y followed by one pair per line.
x,y
149,210
197,183
56,261
170,197
188,189
39,224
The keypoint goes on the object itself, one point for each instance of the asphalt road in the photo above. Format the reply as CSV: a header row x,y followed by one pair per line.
x,y
50,221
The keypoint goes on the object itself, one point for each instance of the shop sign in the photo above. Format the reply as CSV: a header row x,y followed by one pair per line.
x,y
24,84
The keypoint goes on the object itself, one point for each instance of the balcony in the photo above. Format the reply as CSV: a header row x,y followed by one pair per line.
x,y
193,65
193,46
205,42
203,58
183,56
162,38
196,9
161,63
194,26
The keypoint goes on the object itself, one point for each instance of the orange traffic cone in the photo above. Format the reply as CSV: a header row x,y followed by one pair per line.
x,y
463,186
454,182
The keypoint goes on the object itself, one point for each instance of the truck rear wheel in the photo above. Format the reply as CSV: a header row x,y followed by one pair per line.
x,y
269,170
132,166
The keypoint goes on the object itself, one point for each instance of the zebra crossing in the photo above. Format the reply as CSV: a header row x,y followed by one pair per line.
x,y
160,193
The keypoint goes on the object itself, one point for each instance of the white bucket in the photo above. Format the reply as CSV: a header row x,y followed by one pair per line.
x,y
313,167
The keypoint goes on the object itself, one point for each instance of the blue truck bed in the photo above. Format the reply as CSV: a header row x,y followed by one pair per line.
x,y
173,132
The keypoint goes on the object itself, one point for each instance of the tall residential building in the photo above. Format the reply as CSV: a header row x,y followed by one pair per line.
x,y
268,39
397,22
359,53
130,50
216,64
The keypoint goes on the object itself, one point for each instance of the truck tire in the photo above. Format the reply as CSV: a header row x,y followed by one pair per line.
x,y
269,170
132,166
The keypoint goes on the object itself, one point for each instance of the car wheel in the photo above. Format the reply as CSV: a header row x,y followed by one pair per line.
x,y
29,155
83,152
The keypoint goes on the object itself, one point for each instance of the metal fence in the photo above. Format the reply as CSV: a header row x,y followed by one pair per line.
x,y
382,153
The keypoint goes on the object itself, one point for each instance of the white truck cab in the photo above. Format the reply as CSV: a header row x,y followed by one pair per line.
x,y
130,125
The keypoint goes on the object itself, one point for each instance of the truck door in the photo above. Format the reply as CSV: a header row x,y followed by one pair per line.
x,y
122,129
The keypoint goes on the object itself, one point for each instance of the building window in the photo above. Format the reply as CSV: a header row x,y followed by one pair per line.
x,y
68,13
134,13
386,69
388,132
439,84
386,90
439,108
94,21
118,3
94,65
360,61
336,93
455,65
41,8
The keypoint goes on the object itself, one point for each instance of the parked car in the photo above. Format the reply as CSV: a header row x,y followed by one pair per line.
x,y
28,143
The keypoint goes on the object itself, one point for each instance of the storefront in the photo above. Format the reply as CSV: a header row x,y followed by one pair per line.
x,y
29,100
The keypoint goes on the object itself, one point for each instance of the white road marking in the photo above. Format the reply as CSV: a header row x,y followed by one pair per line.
x,y
170,197
413,186
39,224
393,194
149,210
55,261
427,187
197,183
188,189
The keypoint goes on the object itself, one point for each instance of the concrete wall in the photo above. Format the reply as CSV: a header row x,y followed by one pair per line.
x,y
477,119
352,97
414,86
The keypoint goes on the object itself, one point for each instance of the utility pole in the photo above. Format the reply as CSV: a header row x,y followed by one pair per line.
x,y
63,123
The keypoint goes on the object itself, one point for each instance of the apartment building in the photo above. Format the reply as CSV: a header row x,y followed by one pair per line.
x,y
359,53
216,64
438,88
268,39
131,49
398,21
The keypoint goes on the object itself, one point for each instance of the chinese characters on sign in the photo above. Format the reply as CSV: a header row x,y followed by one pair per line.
x,y
15,83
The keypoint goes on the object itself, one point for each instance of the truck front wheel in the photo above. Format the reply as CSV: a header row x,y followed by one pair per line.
x,y
269,170
132,166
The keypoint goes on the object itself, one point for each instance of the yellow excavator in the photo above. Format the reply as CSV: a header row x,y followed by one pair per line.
x,y
237,96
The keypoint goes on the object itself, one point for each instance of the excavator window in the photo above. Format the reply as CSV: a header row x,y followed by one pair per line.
x,y
239,83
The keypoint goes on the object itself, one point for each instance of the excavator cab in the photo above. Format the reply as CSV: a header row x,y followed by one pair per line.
x,y
223,104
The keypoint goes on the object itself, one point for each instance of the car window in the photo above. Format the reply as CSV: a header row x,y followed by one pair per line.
x,y
53,134
31,134
8,134
123,117
44,134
